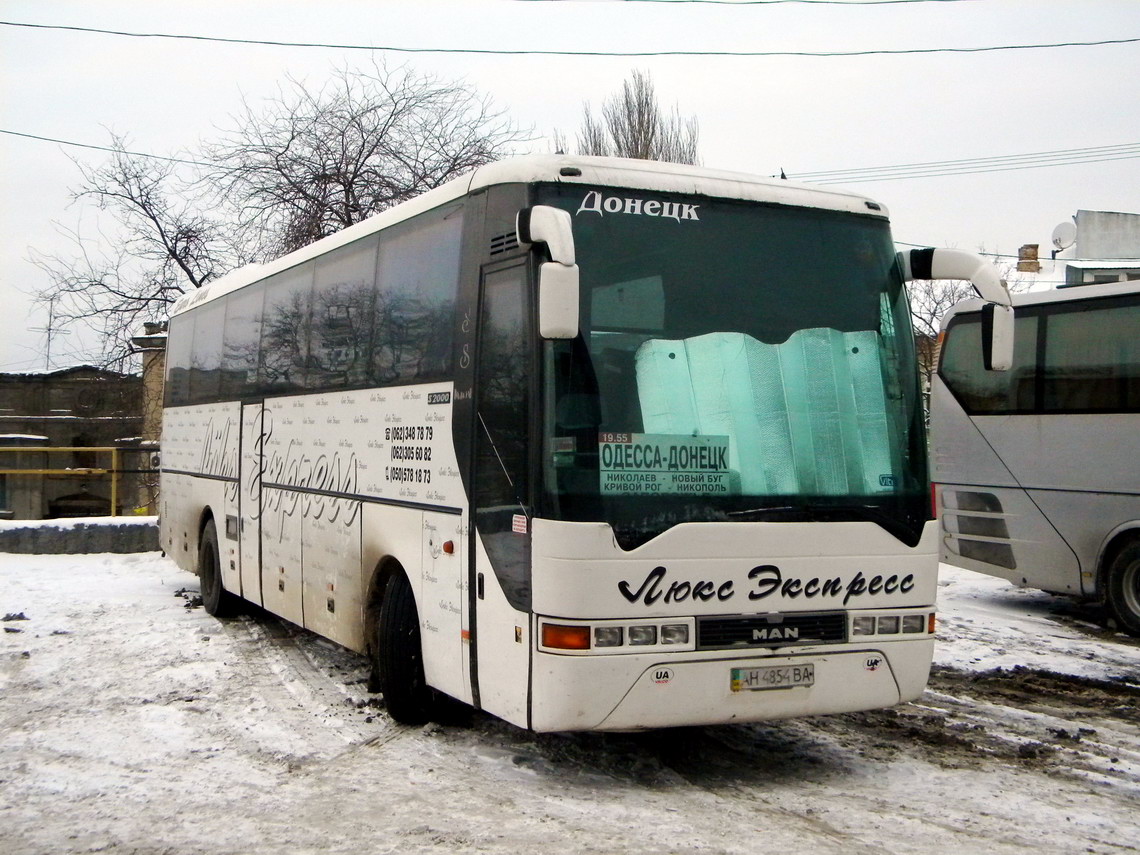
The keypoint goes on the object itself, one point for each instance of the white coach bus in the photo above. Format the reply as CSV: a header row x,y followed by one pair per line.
x,y
1038,467
584,443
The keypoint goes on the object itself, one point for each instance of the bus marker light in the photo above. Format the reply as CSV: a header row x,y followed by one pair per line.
x,y
641,635
564,637
449,547
675,633
930,623
608,636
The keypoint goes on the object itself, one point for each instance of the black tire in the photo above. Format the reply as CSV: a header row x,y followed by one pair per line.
x,y
1122,588
398,657
216,600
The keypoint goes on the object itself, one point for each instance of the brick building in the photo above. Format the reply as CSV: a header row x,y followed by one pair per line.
x,y
74,407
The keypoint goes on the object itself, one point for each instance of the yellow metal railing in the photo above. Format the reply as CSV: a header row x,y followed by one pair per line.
x,y
115,471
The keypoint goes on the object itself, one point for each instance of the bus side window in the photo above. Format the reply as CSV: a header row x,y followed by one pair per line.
x,y
286,331
1092,360
982,392
242,342
344,315
177,390
417,282
206,352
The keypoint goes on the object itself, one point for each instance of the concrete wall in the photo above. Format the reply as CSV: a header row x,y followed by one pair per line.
x,y
77,537
1107,234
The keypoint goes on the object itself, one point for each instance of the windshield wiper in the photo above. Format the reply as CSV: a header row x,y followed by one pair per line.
x,y
782,511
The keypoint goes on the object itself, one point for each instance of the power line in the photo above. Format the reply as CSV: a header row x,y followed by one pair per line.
x,y
1055,154
929,169
774,2
104,148
965,171
973,166
536,52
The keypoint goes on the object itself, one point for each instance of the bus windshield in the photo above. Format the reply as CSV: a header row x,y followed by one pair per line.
x,y
735,362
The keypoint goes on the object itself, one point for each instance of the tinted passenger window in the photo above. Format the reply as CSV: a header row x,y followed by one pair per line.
x,y
344,311
177,390
1092,360
1069,358
982,391
376,311
242,342
206,351
418,279
286,331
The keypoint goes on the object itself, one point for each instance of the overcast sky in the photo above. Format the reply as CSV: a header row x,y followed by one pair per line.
x,y
756,114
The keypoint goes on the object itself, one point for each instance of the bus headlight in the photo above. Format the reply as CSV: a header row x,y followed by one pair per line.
x,y
642,635
888,625
913,623
609,636
863,626
675,633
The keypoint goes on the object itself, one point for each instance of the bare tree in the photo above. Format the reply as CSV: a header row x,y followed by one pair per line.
x,y
633,125
296,168
313,161
162,247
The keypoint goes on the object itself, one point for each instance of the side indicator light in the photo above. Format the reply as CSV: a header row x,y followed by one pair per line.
x,y
562,637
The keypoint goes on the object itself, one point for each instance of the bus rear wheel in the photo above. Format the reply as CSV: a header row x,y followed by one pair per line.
x,y
216,600
1122,592
398,655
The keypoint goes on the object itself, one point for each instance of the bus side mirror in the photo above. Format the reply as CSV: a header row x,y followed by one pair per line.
x,y
551,226
997,337
557,300
997,317
557,278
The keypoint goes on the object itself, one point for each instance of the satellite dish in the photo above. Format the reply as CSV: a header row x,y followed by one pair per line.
x,y
1065,235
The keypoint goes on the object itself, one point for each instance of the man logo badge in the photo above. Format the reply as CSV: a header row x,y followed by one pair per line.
x,y
776,633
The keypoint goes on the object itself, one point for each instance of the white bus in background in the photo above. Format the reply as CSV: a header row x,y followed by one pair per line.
x,y
1037,469
583,443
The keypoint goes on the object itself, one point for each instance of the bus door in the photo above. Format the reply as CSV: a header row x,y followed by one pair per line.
x,y
500,493
249,502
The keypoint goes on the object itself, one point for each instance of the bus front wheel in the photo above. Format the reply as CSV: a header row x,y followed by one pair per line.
x,y
398,656
216,600
1123,588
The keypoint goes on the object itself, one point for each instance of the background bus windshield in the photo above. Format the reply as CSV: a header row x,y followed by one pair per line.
x,y
735,362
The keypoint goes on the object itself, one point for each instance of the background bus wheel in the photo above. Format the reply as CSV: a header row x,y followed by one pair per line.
x,y
1123,589
215,598
398,656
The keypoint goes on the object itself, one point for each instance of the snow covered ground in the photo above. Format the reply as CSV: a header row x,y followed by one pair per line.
x,y
133,722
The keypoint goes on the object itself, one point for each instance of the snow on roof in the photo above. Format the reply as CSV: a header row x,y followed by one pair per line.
x,y
1104,263
620,173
